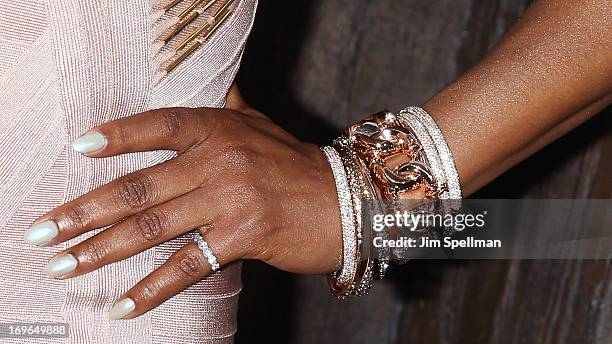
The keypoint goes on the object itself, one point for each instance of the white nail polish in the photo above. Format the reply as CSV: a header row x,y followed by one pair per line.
x,y
89,143
41,233
61,265
122,308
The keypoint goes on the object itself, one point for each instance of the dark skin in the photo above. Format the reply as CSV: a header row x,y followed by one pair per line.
x,y
549,74
257,192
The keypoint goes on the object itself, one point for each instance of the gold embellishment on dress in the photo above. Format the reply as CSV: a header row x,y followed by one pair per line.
x,y
217,20
188,29
192,36
168,35
194,5
171,4
182,56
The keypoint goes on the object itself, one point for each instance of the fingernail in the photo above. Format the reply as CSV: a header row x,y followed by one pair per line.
x,y
89,143
41,233
121,309
61,265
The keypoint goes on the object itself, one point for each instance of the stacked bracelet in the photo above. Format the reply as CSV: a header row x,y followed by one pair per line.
x,y
444,153
385,157
347,217
355,276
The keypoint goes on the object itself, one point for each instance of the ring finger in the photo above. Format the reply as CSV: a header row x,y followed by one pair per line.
x,y
184,268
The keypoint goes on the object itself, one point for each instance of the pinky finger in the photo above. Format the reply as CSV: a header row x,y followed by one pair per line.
x,y
184,268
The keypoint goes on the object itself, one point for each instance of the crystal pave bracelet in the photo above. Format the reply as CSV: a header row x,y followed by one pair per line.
x,y
347,219
361,189
384,158
445,155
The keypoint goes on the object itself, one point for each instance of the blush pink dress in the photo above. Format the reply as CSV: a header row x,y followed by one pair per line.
x,y
66,66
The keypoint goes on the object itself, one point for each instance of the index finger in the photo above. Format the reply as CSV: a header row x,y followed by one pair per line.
x,y
175,129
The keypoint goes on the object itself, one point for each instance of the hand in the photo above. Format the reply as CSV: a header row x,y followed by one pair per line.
x,y
253,190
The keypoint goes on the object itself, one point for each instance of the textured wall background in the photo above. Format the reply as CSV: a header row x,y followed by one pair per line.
x,y
315,66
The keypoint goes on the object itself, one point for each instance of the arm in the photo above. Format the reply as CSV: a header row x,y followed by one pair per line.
x,y
256,192
550,73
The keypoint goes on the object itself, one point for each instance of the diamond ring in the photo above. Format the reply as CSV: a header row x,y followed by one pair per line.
x,y
208,253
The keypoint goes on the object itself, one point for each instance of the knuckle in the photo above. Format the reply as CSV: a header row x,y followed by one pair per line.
x,y
192,264
77,217
95,252
171,121
148,291
136,190
121,134
150,225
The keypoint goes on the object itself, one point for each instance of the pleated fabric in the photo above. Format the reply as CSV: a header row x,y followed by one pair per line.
x,y
66,66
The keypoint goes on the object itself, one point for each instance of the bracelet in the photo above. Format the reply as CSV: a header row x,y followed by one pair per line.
x,y
372,268
430,158
448,177
384,157
355,276
347,217
397,159
448,163
361,189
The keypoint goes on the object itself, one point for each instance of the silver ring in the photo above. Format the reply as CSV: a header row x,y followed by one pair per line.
x,y
208,253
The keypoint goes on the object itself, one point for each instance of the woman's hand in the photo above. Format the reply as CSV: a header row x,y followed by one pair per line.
x,y
253,190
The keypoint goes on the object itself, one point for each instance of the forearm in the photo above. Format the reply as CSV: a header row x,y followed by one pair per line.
x,y
550,73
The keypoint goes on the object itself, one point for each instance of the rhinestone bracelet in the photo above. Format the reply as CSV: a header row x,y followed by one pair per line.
x,y
446,157
450,188
361,189
347,216
376,268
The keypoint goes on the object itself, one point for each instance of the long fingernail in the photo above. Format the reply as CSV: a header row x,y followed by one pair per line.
x,y
89,143
122,308
41,233
61,265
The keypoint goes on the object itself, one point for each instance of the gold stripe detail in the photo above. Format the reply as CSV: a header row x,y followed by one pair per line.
x,y
192,36
222,8
171,4
220,17
182,56
206,26
168,35
194,5
218,24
